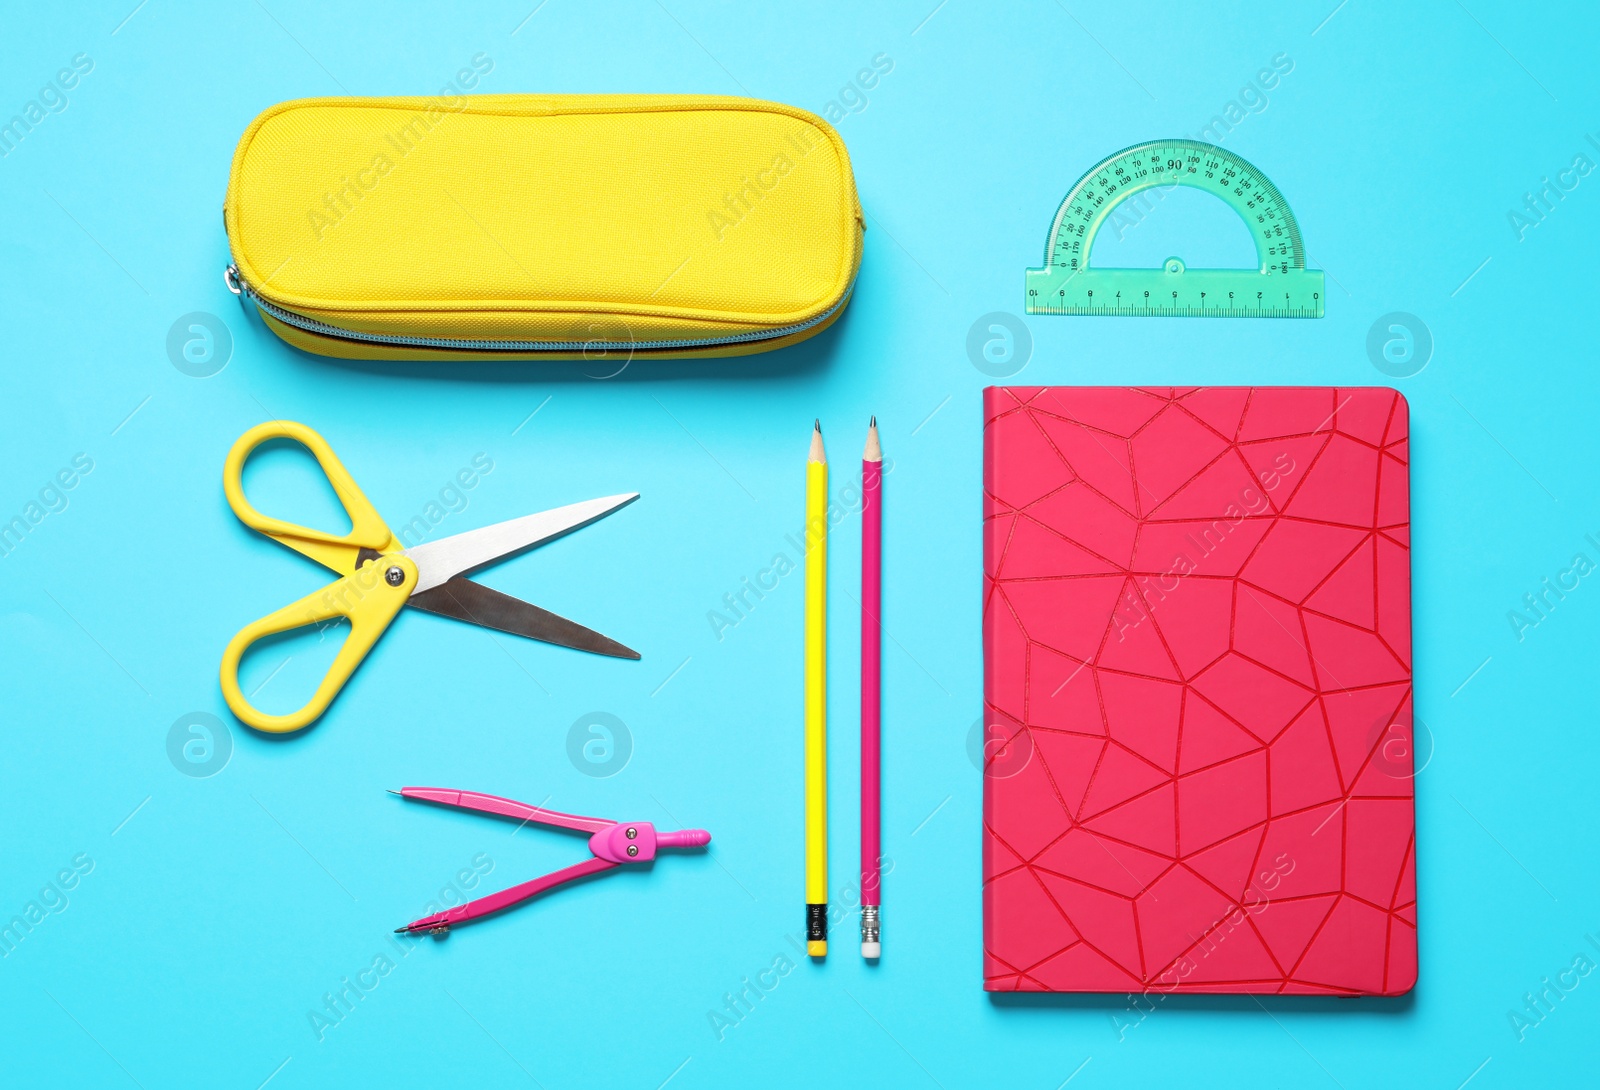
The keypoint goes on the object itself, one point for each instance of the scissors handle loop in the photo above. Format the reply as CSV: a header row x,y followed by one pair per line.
x,y
367,528
369,599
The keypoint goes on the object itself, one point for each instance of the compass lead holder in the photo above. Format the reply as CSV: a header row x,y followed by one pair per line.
x,y
1282,287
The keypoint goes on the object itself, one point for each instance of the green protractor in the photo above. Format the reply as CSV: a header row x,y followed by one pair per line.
x,y
1282,287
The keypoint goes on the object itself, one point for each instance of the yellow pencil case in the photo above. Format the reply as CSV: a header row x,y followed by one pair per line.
x,y
542,226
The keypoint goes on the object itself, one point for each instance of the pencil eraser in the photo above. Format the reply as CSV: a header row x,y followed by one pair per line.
x,y
817,949
871,950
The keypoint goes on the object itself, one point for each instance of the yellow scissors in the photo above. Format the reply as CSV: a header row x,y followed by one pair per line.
x,y
379,575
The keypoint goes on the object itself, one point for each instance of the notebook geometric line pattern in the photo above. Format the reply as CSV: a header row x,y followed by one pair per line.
x,y
1197,641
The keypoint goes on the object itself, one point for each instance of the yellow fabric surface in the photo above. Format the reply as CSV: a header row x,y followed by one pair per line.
x,y
530,217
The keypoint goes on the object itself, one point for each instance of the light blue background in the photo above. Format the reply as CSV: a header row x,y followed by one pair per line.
x,y
219,913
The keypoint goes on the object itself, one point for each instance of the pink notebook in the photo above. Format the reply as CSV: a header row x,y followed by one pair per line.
x,y
1197,687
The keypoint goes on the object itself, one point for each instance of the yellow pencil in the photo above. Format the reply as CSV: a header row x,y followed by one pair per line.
x,y
816,666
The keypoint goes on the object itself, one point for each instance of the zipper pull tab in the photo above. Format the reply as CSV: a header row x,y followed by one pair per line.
x,y
235,282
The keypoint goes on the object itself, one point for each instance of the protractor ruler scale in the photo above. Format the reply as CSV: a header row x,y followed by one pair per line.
x,y
1281,287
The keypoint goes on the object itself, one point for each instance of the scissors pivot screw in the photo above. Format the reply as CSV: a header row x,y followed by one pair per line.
x,y
394,576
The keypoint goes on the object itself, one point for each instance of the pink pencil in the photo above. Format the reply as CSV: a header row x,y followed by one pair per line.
x,y
871,601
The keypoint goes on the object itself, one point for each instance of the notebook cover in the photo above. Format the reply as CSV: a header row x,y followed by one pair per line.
x,y
1197,688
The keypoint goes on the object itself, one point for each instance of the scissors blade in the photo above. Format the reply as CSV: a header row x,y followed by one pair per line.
x,y
438,561
477,604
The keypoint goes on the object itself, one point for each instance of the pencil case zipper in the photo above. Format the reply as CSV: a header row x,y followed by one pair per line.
x,y
240,287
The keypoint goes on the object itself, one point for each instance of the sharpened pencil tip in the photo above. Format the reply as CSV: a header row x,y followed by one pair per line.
x,y
873,422
818,453
816,425
402,930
